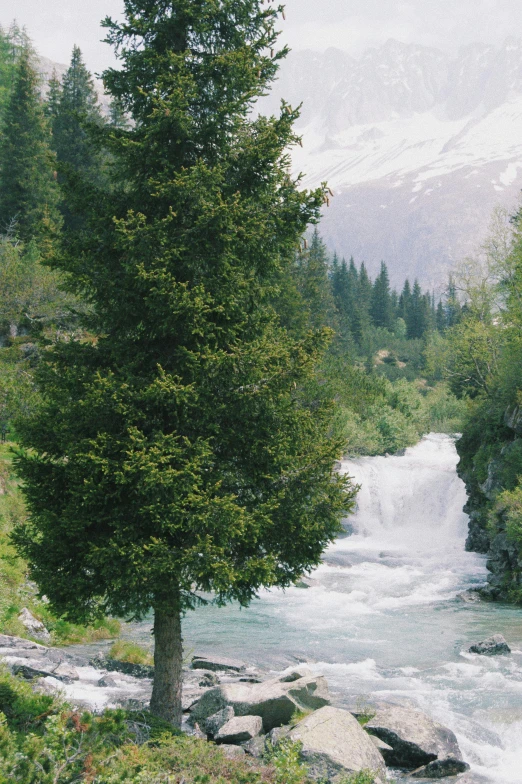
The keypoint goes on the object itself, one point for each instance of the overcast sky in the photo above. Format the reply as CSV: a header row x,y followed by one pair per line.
x,y
55,25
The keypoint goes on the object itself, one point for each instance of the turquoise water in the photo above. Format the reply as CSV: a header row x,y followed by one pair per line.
x,y
383,617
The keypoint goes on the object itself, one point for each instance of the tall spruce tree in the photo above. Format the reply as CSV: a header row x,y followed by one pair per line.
x,y
178,451
381,305
28,191
314,284
75,106
418,318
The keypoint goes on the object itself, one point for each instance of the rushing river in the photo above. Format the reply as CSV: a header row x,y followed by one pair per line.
x,y
383,619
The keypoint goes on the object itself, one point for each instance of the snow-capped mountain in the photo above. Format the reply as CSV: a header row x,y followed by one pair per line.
x,y
418,147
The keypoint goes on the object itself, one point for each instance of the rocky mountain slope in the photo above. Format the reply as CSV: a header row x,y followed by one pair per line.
x,y
418,147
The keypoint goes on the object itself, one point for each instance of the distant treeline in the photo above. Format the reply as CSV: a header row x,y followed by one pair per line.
x,y
342,295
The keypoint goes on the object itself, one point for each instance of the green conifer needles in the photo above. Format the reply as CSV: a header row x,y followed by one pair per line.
x,y
28,191
179,450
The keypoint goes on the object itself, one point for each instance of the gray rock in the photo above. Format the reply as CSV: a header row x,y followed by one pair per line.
x,y
33,670
255,747
33,626
274,701
334,746
189,700
277,734
214,723
493,646
107,682
216,663
8,642
232,752
440,768
239,729
66,673
416,740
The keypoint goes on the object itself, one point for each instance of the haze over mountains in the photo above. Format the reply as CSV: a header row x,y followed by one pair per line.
x,y
418,147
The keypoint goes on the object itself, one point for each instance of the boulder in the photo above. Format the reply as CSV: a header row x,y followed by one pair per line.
x,y
216,663
232,752
274,701
255,747
19,643
493,646
213,724
239,729
415,739
66,673
107,682
277,734
440,768
33,626
43,669
334,746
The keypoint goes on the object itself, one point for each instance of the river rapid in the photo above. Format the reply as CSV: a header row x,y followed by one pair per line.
x,y
382,618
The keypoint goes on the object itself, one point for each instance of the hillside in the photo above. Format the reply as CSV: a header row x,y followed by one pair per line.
x,y
418,147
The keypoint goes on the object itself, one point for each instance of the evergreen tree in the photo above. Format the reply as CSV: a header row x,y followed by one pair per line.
x,y
314,284
364,290
381,305
418,317
453,307
405,301
178,451
440,318
72,108
12,43
28,191
54,94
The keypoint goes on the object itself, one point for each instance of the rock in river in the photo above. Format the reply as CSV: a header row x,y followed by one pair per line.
x,y
415,739
493,646
334,746
216,663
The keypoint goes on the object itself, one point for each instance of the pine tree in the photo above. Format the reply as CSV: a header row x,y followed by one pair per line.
x,y
28,191
453,309
52,103
405,301
440,318
365,289
314,284
419,313
178,451
381,305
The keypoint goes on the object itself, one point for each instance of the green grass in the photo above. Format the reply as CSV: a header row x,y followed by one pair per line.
x,y
130,652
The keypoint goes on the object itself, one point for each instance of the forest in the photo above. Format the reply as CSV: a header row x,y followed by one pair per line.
x,y
183,362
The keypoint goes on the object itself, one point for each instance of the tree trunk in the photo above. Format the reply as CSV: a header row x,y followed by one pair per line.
x,y
168,663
